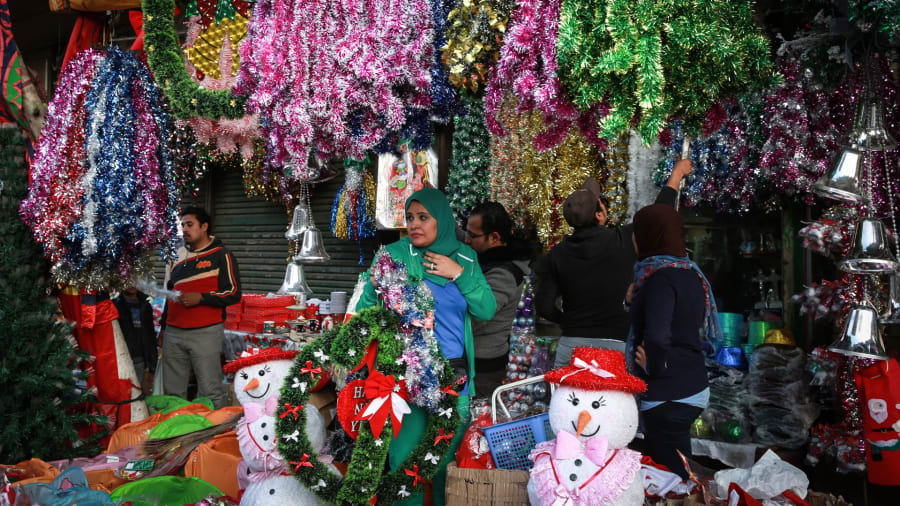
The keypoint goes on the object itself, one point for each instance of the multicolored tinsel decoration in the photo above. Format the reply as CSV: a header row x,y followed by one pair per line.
x,y
125,200
334,77
645,57
527,68
474,36
533,185
469,183
216,11
353,211
802,138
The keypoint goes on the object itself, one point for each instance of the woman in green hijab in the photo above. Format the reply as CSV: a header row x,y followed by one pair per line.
x,y
431,252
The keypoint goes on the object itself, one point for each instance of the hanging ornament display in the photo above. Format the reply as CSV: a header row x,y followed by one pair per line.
x,y
527,68
468,184
353,211
474,35
124,201
165,57
801,137
615,172
543,179
212,29
398,178
225,135
643,58
334,77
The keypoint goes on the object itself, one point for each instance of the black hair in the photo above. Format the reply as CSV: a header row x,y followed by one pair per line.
x,y
494,218
201,215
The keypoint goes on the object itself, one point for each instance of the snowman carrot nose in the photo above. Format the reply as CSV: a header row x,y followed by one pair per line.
x,y
253,384
584,418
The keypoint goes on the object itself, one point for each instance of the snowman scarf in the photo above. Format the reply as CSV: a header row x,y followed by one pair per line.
x,y
646,268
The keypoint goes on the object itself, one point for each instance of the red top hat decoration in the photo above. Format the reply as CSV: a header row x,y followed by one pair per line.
x,y
253,356
596,369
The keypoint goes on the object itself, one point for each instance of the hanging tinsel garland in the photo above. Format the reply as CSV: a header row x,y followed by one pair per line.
x,y
353,210
880,16
334,77
644,58
444,100
527,68
474,36
127,198
164,56
54,197
802,137
469,183
543,179
615,173
406,354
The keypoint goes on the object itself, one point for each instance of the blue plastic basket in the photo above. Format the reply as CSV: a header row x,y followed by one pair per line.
x,y
511,442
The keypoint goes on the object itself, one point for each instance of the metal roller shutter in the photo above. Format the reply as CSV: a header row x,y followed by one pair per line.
x,y
253,229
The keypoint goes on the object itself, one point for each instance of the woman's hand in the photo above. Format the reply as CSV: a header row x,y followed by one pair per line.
x,y
640,357
442,266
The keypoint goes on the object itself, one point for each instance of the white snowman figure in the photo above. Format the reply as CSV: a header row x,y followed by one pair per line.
x,y
594,415
259,373
279,490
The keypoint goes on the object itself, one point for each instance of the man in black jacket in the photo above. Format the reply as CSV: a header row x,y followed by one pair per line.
x,y
136,321
584,278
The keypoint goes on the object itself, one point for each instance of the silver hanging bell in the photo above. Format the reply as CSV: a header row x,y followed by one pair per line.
x,y
871,134
861,336
294,280
299,223
843,182
870,252
312,249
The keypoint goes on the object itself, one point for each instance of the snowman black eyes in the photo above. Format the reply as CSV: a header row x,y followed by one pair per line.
x,y
600,402
573,399
264,370
271,491
244,375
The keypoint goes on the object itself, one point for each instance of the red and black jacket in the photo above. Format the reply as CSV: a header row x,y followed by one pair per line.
x,y
213,273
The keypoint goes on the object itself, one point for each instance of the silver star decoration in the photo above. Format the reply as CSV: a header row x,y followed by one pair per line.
x,y
351,352
379,442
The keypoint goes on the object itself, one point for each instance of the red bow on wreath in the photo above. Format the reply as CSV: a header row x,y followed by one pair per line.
x,y
414,472
388,399
310,369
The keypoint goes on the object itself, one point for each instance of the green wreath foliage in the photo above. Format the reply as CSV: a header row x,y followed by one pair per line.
x,y
164,55
366,475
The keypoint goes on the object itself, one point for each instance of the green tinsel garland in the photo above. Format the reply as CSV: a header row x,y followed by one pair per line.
x,y
469,181
188,99
366,475
659,59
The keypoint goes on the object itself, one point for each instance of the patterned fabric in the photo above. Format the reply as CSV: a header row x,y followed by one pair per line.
x,y
646,267
604,488
13,73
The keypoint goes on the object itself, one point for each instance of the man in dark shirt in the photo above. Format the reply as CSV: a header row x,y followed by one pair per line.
x,y
136,322
584,278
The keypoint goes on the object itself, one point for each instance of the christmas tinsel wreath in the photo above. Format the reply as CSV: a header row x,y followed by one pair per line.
x,y
388,336
164,55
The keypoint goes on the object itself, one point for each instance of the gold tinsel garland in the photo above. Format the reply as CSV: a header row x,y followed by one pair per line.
x,y
474,35
533,185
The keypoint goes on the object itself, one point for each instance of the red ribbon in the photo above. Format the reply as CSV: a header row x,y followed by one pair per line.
x,y
442,436
291,410
449,390
414,472
369,358
310,369
383,389
304,462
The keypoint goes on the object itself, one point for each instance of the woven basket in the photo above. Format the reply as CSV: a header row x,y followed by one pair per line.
x,y
486,487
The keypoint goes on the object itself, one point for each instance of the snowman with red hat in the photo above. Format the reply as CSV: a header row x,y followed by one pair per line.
x,y
594,415
259,374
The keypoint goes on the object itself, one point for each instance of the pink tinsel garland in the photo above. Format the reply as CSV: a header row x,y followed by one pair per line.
x,y
333,77
527,66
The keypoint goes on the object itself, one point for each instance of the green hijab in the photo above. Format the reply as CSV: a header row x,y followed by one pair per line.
x,y
445,243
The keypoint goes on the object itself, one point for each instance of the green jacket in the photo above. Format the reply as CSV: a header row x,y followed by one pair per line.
x,y
471,283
